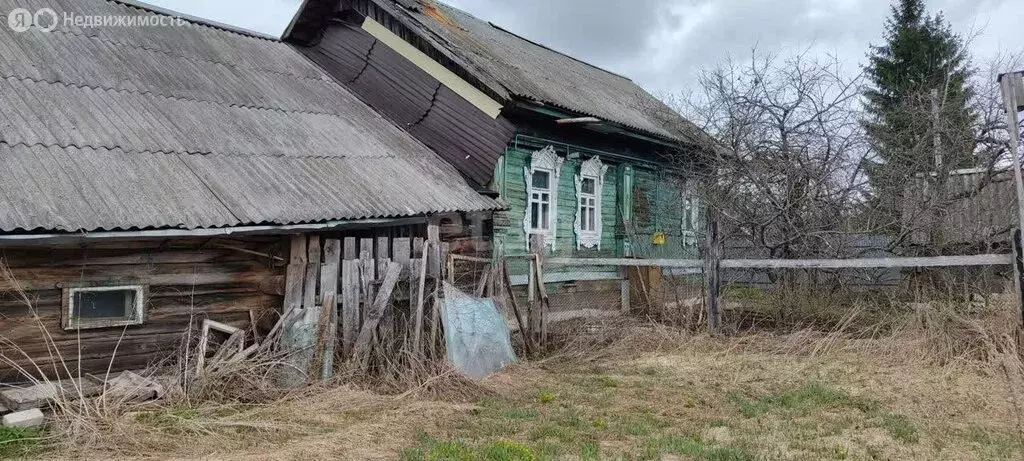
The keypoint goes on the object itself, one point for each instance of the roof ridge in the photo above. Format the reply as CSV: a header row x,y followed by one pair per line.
x,y
180,55
165,96
30,145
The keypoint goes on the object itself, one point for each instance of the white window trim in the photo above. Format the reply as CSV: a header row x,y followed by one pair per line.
x,y
70,323
592,169
547,160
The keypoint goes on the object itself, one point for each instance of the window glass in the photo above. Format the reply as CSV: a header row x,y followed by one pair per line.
x,y
541,180
587,186
111,304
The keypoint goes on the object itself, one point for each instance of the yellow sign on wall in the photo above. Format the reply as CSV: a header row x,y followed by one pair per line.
x,y
658,238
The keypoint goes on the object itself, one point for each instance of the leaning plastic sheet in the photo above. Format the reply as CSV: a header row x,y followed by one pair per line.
x,y
475,333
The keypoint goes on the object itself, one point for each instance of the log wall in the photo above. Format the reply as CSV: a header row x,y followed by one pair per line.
x,y
189,280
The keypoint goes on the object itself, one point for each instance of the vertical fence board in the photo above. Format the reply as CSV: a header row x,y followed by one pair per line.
x,y
329,273
349,305
350,248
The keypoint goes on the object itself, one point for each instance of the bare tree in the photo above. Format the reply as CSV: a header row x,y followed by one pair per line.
x,y
788,178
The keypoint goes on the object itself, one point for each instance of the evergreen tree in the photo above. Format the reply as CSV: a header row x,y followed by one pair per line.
x,y
921,54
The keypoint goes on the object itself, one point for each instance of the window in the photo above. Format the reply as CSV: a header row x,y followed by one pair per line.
x,y
540,215
588,212
588,205
100,307
540,201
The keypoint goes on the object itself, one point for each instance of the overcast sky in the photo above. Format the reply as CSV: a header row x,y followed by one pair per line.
x,y
662,44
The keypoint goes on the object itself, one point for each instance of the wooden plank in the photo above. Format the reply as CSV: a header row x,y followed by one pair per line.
x,y
329,274
470,259
367,271
624,290
309,286
297,255
515,308
446,253
400,248
349,252
314,255
934,261
570,276
713,257
325,334
349,305
545,303
294,281
630,262
434,240
366,254
485,277
361,348
383,256
417,247
858,263
1018,272
1010,86
418,331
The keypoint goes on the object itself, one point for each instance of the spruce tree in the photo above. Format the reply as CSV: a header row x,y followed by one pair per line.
x,y
921,54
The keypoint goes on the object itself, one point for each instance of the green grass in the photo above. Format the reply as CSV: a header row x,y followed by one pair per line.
x,y
636,415
457,450
16,442
899,427
801,401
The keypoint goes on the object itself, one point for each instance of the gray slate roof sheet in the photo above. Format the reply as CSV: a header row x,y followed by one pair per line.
x,y
191,127
512,66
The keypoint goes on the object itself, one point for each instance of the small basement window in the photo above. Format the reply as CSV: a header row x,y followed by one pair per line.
x,y
102,307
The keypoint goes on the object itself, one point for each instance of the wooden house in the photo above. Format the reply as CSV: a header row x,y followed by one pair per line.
x,y
580,155
155,177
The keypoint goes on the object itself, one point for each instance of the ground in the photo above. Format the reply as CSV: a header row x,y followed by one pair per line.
x,y
650,395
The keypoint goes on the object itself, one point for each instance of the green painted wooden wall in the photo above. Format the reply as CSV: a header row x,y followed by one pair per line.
x,y
657,206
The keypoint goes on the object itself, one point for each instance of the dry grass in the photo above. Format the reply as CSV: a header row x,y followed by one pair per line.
x,y
940,381
643,391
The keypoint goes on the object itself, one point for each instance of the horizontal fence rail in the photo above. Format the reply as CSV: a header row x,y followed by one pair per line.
x,y
856,263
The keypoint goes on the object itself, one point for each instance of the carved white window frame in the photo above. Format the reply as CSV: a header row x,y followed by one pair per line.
x,y
595,170
546,160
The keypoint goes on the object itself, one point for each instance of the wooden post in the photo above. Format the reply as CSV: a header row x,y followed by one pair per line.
x,y
1018,285
712,260
1012,86
537,294
1013,97
624,289
527,340
417,341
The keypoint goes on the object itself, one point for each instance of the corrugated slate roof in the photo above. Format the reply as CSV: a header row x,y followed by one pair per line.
x,y
192,127
512,66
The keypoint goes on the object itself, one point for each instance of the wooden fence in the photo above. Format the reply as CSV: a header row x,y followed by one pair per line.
x,y
337,293
714,264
